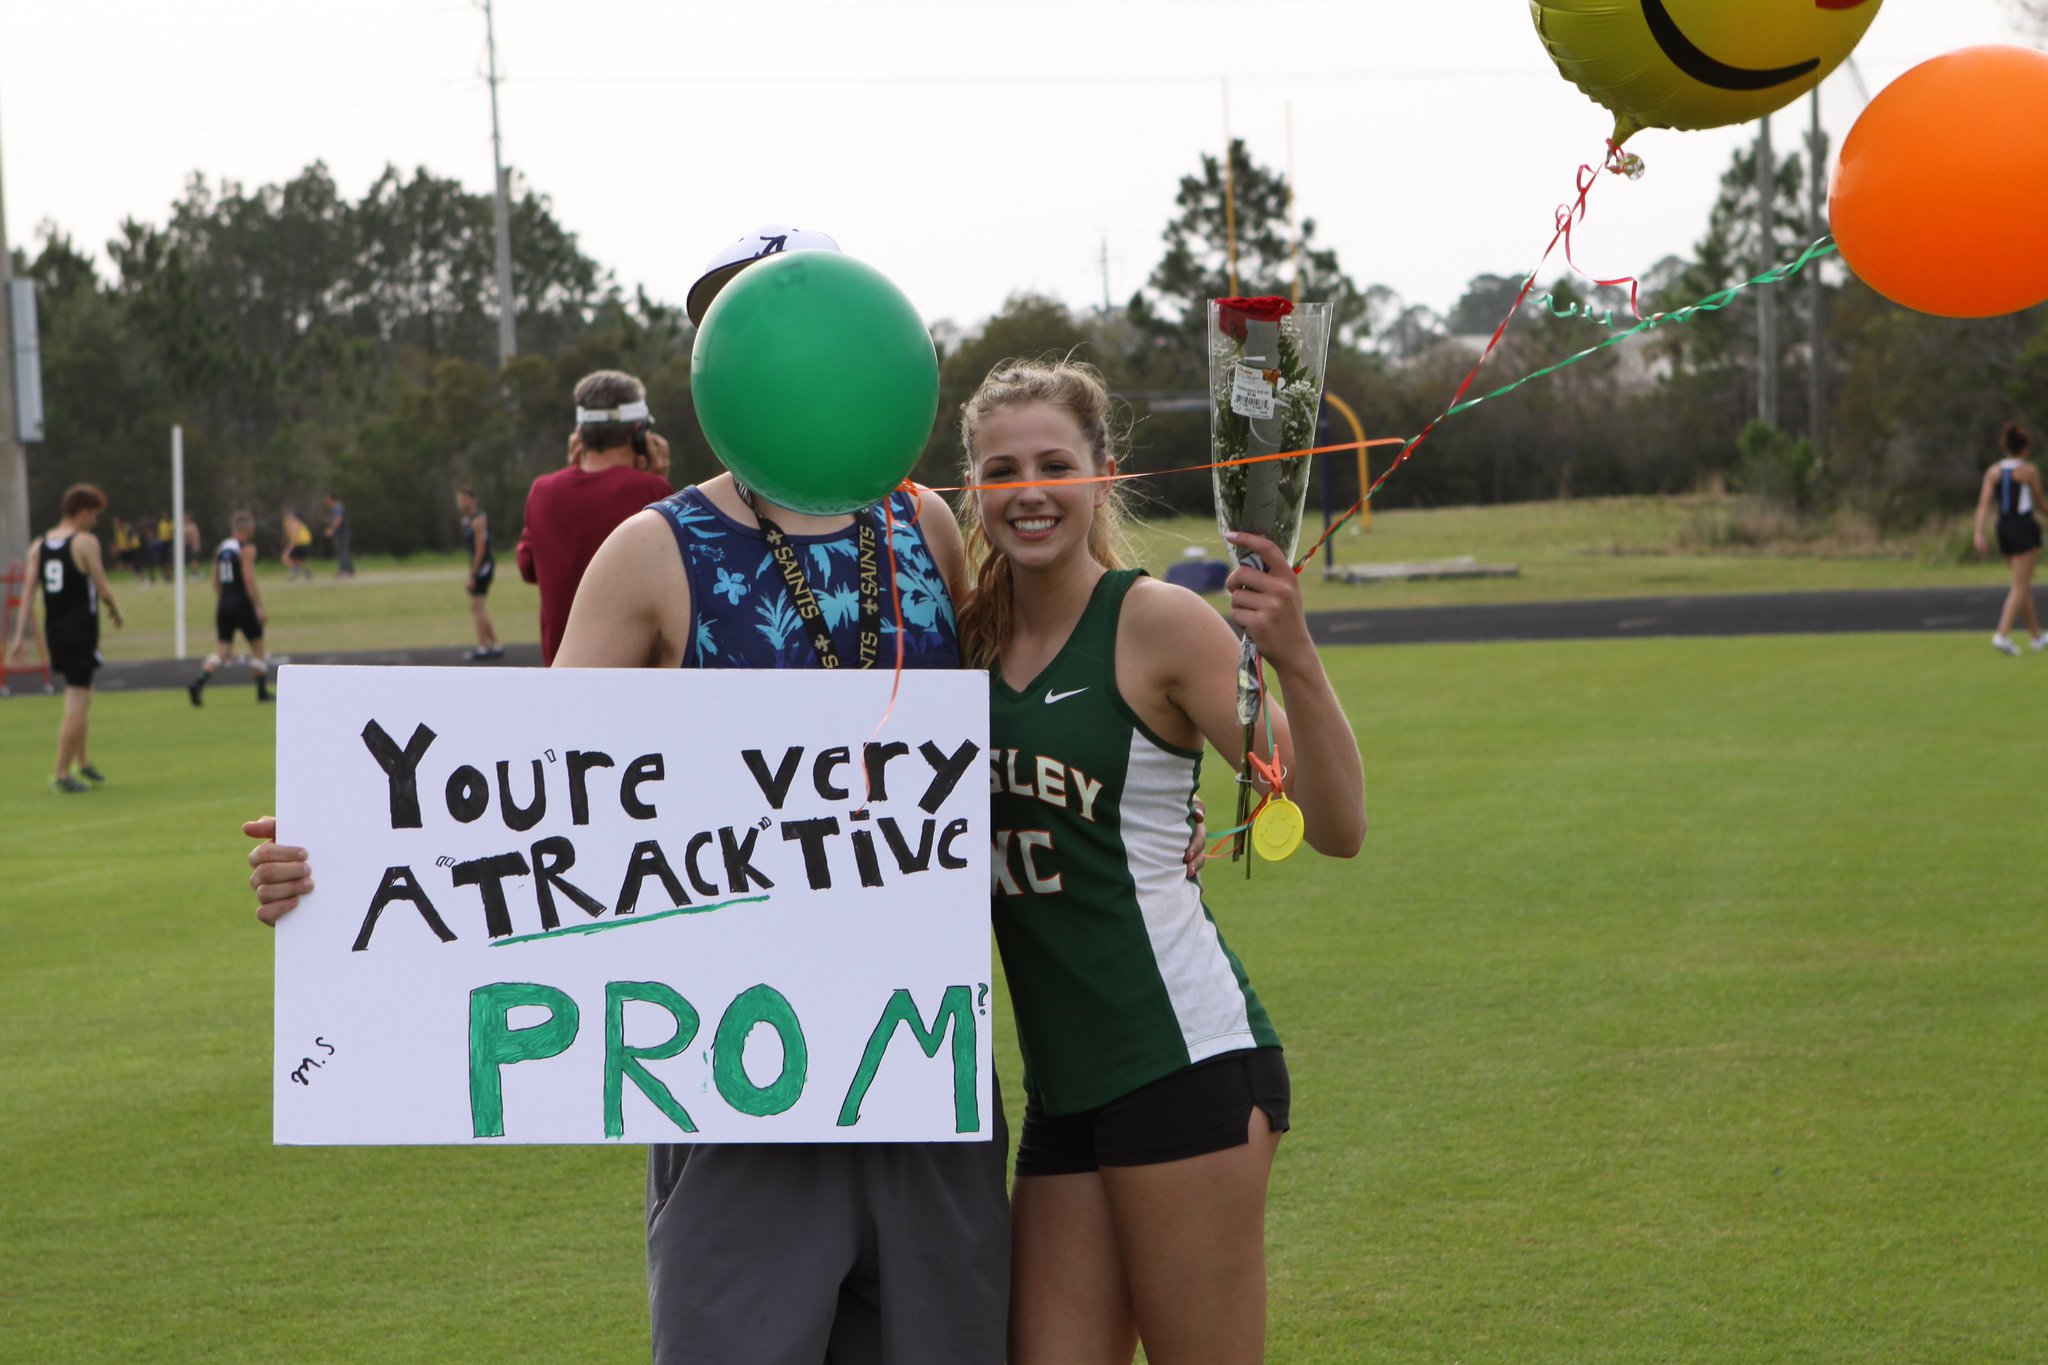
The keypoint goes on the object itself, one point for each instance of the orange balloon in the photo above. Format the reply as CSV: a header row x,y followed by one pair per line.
x,y
1940,202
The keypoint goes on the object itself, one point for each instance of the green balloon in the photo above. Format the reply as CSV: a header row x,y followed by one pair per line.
x,y
815,381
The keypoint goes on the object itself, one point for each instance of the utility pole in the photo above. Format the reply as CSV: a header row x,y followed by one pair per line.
x,y
508,344
14,510
178,539
1767,303
1293,222
1105,277
1229,192
1816,296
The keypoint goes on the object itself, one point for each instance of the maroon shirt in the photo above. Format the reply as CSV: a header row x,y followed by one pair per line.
x,y
568,515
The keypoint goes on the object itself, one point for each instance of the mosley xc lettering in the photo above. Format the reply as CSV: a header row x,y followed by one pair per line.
x,y
1043,778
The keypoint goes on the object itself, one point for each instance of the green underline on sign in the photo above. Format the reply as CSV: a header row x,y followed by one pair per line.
x,y
628,921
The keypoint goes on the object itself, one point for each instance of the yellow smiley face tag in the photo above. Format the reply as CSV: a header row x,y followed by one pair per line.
x,y
1277,832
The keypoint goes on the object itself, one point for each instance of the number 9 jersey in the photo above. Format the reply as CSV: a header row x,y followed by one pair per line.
x,y
71,612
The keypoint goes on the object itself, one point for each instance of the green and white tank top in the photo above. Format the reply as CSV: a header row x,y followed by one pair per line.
x,y
1116,970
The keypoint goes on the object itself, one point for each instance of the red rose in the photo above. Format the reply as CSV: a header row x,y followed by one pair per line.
x,y
1232,314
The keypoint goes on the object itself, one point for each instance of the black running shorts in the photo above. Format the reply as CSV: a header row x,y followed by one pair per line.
x,y
230,616
1199,1109
2018,534
74,651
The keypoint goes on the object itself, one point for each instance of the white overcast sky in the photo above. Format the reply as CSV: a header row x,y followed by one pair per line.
x,y
970,148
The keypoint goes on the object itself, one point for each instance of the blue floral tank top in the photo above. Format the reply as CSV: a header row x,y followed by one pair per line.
x,y
741,611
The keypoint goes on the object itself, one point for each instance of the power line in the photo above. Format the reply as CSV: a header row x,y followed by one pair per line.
x,y
52,146
45,146
1398,76
952,6
32,149
155,55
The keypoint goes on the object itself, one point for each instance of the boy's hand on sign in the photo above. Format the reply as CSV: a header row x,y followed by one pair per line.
x,y
279,874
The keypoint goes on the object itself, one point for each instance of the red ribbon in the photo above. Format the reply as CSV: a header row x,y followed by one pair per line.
x,y
1568,215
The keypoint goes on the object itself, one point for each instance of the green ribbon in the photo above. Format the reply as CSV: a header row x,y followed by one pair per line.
x,y
1713,303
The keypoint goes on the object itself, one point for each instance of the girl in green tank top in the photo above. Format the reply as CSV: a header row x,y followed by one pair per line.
x,y
1139,1205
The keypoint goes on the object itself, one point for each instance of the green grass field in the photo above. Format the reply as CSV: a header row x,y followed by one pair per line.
x,y
389,604
1686,1005
1595,547
1591,547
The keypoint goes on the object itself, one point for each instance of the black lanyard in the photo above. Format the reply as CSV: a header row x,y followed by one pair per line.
x,y
807,609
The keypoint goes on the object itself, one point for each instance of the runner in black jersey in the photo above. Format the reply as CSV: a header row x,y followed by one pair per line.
x,y
476,541
2012,489
238,606
72,582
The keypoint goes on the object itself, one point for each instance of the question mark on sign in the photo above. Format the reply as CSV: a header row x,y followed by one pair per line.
x,y
982,1006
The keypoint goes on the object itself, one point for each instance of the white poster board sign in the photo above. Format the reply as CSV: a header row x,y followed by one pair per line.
x,y
571,906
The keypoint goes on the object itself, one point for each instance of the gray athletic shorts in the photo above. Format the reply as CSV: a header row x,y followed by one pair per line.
x,y
819,1254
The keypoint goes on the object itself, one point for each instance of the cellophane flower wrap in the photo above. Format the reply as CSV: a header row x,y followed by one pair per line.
x,y
1266,362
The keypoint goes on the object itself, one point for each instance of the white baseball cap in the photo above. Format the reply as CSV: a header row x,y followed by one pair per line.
x,y
772,240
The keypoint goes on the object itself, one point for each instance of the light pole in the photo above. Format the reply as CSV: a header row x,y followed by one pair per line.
x,y
508,342
15,529
1816,294
1767,303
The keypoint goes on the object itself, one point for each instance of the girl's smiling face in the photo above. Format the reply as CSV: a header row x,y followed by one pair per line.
x,y
1037,443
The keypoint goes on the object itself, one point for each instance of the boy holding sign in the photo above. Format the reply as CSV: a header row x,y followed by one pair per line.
x,y
808,1252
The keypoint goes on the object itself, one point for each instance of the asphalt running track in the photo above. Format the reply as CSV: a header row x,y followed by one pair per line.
x,y
1801,613
1788,613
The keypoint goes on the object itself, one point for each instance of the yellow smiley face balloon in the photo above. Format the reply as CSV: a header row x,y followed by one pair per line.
x,y
1698,63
